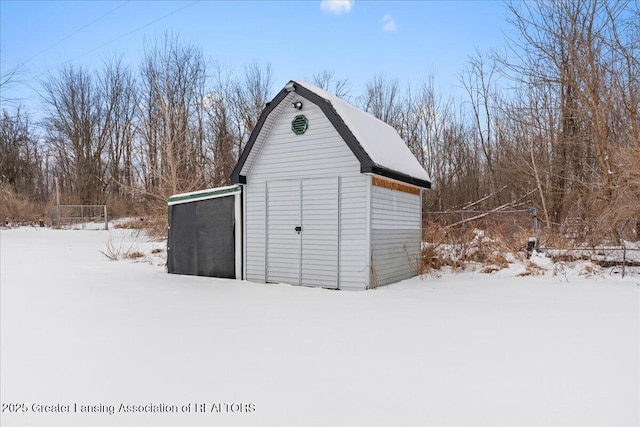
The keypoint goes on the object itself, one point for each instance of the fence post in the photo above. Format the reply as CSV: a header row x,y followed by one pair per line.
x,y
624,249
536,228
106,221
57,201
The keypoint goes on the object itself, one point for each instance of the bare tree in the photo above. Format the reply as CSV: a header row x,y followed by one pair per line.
x,y
478,80
76,131
19,156
424,118
252,93
224,127
7,79
382,99
566,45
173,80
326,80
625,43
117,86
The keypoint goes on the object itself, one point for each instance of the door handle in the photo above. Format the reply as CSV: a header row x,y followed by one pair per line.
x,y
299,229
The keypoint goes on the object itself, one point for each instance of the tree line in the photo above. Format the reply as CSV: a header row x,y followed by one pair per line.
x,y
551,121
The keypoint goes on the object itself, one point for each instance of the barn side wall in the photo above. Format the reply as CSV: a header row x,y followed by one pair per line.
x,y
396,235
319,152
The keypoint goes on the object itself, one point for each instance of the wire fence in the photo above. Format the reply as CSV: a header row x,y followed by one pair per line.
x,y
80,216
608,244
611,244
512,224
578,231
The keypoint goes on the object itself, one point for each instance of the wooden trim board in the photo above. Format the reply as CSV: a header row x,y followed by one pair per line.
x,y
394,185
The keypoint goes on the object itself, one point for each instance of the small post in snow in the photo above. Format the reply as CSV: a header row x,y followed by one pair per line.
x,y
57,201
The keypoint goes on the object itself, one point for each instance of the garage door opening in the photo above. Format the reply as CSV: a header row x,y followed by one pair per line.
x,y
205,233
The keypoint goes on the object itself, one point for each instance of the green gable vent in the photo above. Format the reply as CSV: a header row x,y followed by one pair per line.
x,y
299,124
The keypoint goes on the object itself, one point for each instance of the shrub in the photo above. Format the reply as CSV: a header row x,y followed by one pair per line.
x,y
115,252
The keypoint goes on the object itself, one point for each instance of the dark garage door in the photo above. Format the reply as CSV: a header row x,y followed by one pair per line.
x,y
202,238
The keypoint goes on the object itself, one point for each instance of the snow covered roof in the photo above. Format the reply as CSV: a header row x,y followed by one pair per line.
x,y
196,196
375,144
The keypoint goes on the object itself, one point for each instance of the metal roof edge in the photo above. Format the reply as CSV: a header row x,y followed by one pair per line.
x,y
210,193
398,176
338,123
366,163
237,170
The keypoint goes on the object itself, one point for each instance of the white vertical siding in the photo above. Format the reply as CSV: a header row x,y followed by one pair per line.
x,y
283,242
396,233
320,247
255,229
354,250
319,152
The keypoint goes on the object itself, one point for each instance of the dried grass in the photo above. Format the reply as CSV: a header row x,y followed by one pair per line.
x,y
462,246
117,251
134,255
491,268
154,225
131,224
531,269
18,209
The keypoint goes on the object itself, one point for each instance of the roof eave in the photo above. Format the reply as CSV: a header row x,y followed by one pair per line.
x,y
398,176
236,178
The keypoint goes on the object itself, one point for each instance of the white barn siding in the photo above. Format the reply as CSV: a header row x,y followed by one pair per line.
x,y
319,152
354,251
283,243
395,235
320,240
255,226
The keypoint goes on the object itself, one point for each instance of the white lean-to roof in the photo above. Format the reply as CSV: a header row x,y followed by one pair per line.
x,y
379,140
377,145
196,196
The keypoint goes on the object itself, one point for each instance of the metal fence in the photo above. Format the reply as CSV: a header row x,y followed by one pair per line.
x,y
613,244
80,216
608,244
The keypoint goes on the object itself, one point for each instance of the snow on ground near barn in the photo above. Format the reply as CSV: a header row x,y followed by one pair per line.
x,y
465,348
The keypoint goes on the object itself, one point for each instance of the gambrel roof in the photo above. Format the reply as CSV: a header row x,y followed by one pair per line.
x,y
376,145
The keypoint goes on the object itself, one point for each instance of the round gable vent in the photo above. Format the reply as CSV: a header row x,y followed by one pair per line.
x,y
299,124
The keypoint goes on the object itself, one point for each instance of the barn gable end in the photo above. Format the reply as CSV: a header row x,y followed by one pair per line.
x,y
365,136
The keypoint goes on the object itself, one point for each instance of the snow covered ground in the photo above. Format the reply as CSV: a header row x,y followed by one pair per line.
x,y
81,333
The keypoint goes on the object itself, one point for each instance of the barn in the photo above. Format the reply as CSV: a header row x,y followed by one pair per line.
x,y
331,196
